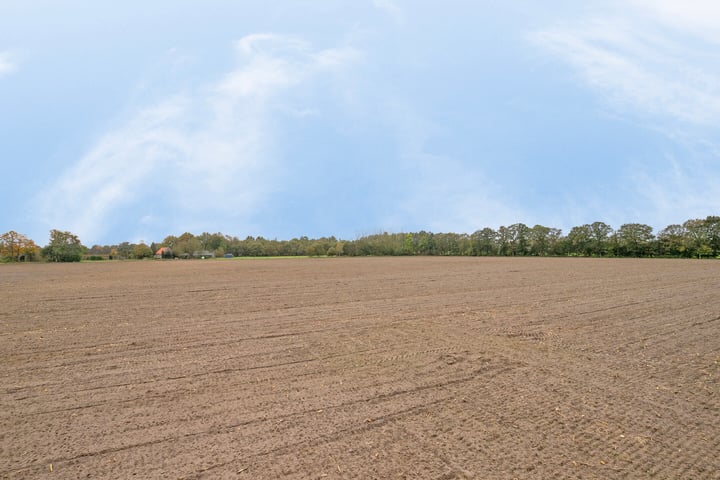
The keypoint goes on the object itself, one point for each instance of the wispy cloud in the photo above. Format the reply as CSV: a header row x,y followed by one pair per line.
x,y
7,64
655,63
697,17
204,159
391,8
641,71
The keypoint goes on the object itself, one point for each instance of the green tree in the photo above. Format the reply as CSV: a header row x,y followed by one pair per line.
x,y
518,236
296,246
169,241
703,235
713,229
217,242
186,244
503,241
408,244
697,235
484,242
351,249
141,250
600,238
579,240
425,243
317,249
465,244
63,247
447,244
543,240
124,250
705,251
672,241
634,240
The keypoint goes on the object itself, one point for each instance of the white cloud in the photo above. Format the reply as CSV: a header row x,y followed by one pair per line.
x,y
639,70
656,63
696,17
265,43
389,7
204,156
277,62
7,64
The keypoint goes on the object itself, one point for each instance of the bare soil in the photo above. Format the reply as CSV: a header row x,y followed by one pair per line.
x,y
418,368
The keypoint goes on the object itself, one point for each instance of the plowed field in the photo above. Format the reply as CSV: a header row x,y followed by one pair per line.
x,y
418,368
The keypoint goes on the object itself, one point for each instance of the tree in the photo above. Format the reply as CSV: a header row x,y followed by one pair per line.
x,y
484,242
186,244
704,251
599,238
169,241
100,250
339,247
713,229
543,240
123,250
518,237
465,244
703,236
447,244
408,244
217,243
425,243
672,241
503,241
696,235
16,247
63,247
634,240
317,249
579,240
141,251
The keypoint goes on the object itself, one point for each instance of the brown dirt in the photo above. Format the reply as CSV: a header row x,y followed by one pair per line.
x,y
434,368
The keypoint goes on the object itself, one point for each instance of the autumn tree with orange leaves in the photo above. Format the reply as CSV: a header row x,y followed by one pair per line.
x,y
15,247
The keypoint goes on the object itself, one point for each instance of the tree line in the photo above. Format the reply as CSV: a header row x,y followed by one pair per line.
x,y
63,247
695,238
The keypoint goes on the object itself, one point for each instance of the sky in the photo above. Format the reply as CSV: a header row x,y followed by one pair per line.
x,y
132,121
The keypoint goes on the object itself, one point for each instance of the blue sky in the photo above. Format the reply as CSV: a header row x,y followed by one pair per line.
x,y
128,121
